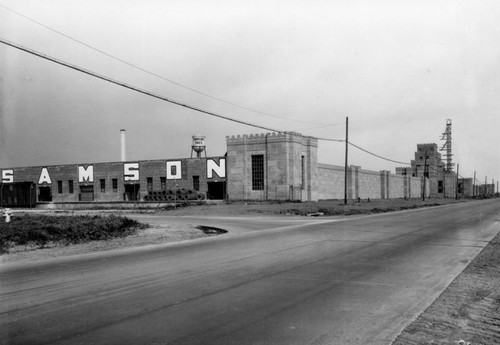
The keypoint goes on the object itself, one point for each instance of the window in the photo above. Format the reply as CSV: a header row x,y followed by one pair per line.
x,y
103,185
59,187
87,189
149,181
440,186
115,185
257,172
163,182
70,186
196,182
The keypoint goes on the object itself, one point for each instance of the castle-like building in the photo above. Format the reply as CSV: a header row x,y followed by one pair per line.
x,y
442,182
270,166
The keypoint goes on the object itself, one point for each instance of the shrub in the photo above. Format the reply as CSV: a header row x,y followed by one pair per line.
x,y
40,230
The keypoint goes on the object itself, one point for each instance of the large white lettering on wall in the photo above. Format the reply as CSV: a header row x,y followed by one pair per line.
x,y
44,177
131,171
7,176
174,170
85,174
213,167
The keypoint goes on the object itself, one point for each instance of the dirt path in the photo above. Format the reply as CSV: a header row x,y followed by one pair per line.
x,y
468,311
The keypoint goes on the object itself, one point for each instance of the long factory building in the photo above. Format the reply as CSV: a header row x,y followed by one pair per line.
x,y
270,166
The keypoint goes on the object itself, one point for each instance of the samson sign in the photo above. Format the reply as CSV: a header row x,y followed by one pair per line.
x,y
131,172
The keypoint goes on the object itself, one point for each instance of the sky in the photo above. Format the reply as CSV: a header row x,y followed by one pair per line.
x,y
398,69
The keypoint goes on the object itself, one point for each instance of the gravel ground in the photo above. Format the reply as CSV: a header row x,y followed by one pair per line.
x,y
468,311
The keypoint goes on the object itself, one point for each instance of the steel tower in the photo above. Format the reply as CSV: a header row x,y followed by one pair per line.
x,y
447,147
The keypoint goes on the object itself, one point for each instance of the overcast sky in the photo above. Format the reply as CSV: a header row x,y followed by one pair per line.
x,y
398,69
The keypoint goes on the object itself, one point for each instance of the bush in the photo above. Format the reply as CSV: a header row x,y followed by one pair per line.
x,y
40,230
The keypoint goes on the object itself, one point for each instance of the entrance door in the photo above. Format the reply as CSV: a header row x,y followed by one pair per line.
x,y
131,192
216,190
86,193
45,194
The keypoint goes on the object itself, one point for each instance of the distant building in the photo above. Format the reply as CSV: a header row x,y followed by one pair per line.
x,y
485,190
442,184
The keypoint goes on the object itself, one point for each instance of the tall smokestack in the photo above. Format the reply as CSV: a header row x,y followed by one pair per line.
x,y
122,139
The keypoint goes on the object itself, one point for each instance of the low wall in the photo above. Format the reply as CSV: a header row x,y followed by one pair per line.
x,y
366,184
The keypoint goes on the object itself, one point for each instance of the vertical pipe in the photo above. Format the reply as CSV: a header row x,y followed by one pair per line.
x,y
122,145
346,160
456,188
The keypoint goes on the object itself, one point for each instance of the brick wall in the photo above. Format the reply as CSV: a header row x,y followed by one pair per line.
x,y
48,177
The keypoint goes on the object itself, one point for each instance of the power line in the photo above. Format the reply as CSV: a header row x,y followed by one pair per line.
x,y
152,73
151,94
378,156
133,88
136,89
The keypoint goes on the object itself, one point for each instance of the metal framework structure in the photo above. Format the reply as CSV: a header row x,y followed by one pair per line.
x,y
447,147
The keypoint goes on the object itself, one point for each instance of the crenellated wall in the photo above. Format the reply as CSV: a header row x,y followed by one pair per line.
x,y
289,166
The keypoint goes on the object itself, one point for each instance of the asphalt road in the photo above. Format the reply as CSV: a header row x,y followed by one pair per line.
x,y
349,281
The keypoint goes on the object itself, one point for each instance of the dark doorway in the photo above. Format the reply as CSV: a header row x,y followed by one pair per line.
x,y
131,192
45,194
216,190
21,194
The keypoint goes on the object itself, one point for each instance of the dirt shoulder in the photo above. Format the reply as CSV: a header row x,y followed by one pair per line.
x,y
325,208
154,234
468,311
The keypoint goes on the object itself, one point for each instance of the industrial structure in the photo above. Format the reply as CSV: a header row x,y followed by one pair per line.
x,y
271,166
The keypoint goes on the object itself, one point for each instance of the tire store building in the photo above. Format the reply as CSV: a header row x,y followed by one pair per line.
x,y
272,166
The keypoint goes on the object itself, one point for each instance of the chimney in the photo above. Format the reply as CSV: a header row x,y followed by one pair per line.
x,y
122,138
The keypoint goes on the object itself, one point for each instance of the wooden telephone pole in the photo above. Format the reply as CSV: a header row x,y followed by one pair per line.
x,y
346,155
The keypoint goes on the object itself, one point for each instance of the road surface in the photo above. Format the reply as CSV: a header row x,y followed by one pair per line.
x,y
358,280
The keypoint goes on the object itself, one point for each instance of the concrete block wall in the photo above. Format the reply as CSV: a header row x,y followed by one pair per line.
x,y
366,184
449,182
283,172
369,184
330,182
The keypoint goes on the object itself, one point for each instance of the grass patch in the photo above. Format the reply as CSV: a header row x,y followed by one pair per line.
x,y
40,230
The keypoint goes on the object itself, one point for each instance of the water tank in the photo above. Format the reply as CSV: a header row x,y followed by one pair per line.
x,y
198,145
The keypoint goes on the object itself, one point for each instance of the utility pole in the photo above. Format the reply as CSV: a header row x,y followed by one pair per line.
x,y
425,169
346,153
474,185
456,188
485,185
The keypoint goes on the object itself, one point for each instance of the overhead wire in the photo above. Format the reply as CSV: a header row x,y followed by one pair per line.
x,y
178,103
376,155
130,87
182,86
155,74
